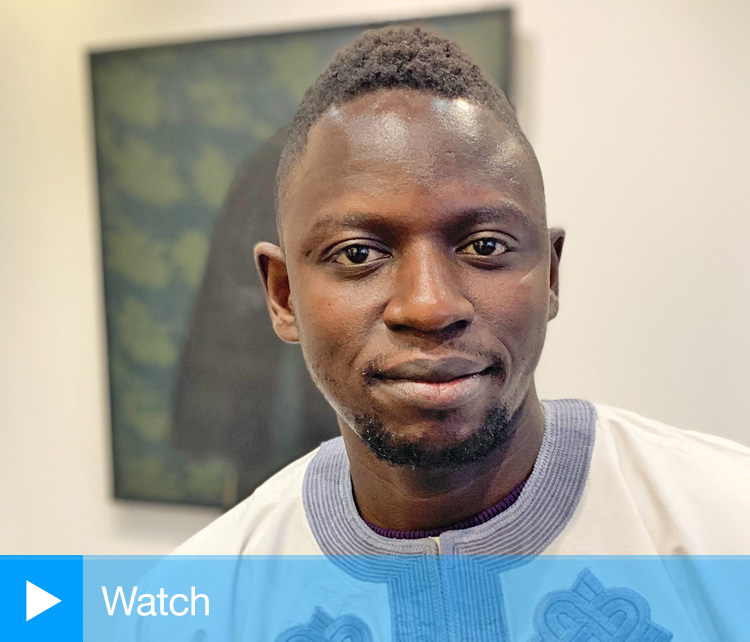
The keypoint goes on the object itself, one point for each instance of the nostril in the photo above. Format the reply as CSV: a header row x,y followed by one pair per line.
x,y
454,328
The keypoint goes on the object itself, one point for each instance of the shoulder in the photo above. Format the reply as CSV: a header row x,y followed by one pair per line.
x,y
688,489
270,521
659,443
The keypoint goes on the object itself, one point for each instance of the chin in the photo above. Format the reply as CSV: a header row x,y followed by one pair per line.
x,y
423,451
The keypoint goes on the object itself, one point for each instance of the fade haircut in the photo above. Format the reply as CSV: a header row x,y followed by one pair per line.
x,y
399,57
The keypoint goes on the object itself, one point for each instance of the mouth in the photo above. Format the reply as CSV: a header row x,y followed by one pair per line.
x,y
434,384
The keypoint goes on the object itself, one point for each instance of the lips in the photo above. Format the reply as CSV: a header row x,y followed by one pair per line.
x,y
432,370
438,384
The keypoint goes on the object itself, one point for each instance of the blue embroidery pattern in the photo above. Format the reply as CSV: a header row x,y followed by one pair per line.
x,y
321,627
590,613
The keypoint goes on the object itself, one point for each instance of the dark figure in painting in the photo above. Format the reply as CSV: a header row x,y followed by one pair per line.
x,y
241,393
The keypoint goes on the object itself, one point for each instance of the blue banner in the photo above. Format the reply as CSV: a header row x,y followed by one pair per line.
x,y
375,599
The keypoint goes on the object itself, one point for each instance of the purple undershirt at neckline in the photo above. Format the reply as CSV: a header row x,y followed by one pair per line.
x,y
480,518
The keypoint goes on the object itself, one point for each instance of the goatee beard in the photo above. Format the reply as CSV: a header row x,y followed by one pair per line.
x,y
495,433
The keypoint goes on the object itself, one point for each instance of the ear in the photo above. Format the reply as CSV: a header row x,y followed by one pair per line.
x,y
271,264
556,240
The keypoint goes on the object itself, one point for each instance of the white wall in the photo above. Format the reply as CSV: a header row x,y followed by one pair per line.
x,y
638,111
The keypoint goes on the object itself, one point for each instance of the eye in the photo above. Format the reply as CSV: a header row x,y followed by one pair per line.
x,y
357,254
485,246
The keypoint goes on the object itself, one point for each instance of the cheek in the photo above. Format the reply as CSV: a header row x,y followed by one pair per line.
x,y
531,295
531,299
334,327
519,309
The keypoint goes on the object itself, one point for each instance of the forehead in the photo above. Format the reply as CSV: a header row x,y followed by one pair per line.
x,y
394,148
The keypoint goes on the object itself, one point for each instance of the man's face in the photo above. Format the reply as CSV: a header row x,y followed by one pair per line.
x,y
416,272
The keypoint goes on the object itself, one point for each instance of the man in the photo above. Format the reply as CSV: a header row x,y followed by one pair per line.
x,y
416,270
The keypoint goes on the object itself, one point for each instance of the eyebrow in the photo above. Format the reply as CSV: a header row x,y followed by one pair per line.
x,y
503,210
349,220
462,217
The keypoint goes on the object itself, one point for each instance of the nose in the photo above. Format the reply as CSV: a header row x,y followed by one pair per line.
x,y
427,296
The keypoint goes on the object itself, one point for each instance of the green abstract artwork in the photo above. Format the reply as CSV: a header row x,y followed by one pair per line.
x,y
205,403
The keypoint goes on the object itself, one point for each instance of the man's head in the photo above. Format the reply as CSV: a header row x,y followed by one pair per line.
x,y
417,271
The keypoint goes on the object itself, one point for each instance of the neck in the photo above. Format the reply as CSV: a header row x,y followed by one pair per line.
x,y
399,498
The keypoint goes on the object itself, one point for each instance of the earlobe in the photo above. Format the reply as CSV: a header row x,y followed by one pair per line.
x,y
271,264
554,306
556,241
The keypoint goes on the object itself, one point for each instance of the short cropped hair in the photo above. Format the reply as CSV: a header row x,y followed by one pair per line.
x,y
398,57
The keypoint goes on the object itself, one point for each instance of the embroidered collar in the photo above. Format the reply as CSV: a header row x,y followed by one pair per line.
x,y
536,518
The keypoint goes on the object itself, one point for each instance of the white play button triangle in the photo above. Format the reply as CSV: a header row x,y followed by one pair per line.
x,y
38,600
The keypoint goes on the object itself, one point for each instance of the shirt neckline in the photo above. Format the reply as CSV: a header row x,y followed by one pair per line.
x,y
542,510
480,518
